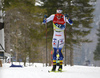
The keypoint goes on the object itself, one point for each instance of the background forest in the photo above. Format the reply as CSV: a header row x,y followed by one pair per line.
x,y
26,35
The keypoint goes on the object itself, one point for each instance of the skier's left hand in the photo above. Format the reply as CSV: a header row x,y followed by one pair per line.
x,y
66,15
70,21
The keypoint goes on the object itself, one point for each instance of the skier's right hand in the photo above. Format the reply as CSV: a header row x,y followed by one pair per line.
x,y
45,16
44,21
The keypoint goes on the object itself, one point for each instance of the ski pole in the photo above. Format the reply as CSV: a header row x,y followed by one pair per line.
x,y
66,16
46,37
46,44
65,44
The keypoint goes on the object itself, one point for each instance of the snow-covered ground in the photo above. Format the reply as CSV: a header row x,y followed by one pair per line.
x,y
38,71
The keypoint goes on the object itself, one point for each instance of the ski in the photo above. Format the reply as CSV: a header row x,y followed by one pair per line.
x,y
55,71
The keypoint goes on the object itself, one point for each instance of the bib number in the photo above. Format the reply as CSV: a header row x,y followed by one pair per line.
x,y
60,26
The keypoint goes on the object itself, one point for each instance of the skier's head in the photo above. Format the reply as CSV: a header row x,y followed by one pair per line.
x,y
59,12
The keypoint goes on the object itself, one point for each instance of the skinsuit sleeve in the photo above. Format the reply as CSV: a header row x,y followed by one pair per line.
x,y
50,18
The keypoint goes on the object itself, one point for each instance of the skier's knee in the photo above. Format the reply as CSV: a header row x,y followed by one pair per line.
x,y
54,58
60,58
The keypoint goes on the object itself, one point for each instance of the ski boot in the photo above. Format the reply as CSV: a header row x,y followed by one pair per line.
x,y
60,65
60,68
54,65
54,68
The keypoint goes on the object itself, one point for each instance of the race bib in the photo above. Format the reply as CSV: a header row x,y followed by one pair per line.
x,y
58,27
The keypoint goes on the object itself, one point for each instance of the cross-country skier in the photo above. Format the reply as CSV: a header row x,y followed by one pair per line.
x,y
59,24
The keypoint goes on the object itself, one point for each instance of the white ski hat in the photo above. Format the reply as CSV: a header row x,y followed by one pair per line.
x,y
59,11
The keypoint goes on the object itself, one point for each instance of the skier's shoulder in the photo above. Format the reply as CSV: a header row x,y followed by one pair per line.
x,y
50,18
53,15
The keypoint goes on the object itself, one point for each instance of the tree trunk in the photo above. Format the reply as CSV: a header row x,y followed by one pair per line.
x,y
71,56
0,63
7,37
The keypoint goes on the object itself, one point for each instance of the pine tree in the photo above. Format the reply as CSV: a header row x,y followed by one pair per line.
x,y
97,51
24,21
80,12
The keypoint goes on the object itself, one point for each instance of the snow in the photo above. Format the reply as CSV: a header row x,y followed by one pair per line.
x,y
38,71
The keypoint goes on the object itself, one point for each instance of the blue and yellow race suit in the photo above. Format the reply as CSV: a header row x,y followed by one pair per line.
x,y
59,25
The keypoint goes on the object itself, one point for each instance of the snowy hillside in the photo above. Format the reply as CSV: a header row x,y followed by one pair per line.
x,y
38,71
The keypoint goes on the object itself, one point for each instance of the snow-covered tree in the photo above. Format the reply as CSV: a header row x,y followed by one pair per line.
x,y
97,50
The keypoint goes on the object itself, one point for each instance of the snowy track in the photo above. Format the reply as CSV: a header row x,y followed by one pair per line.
x,y
38,71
